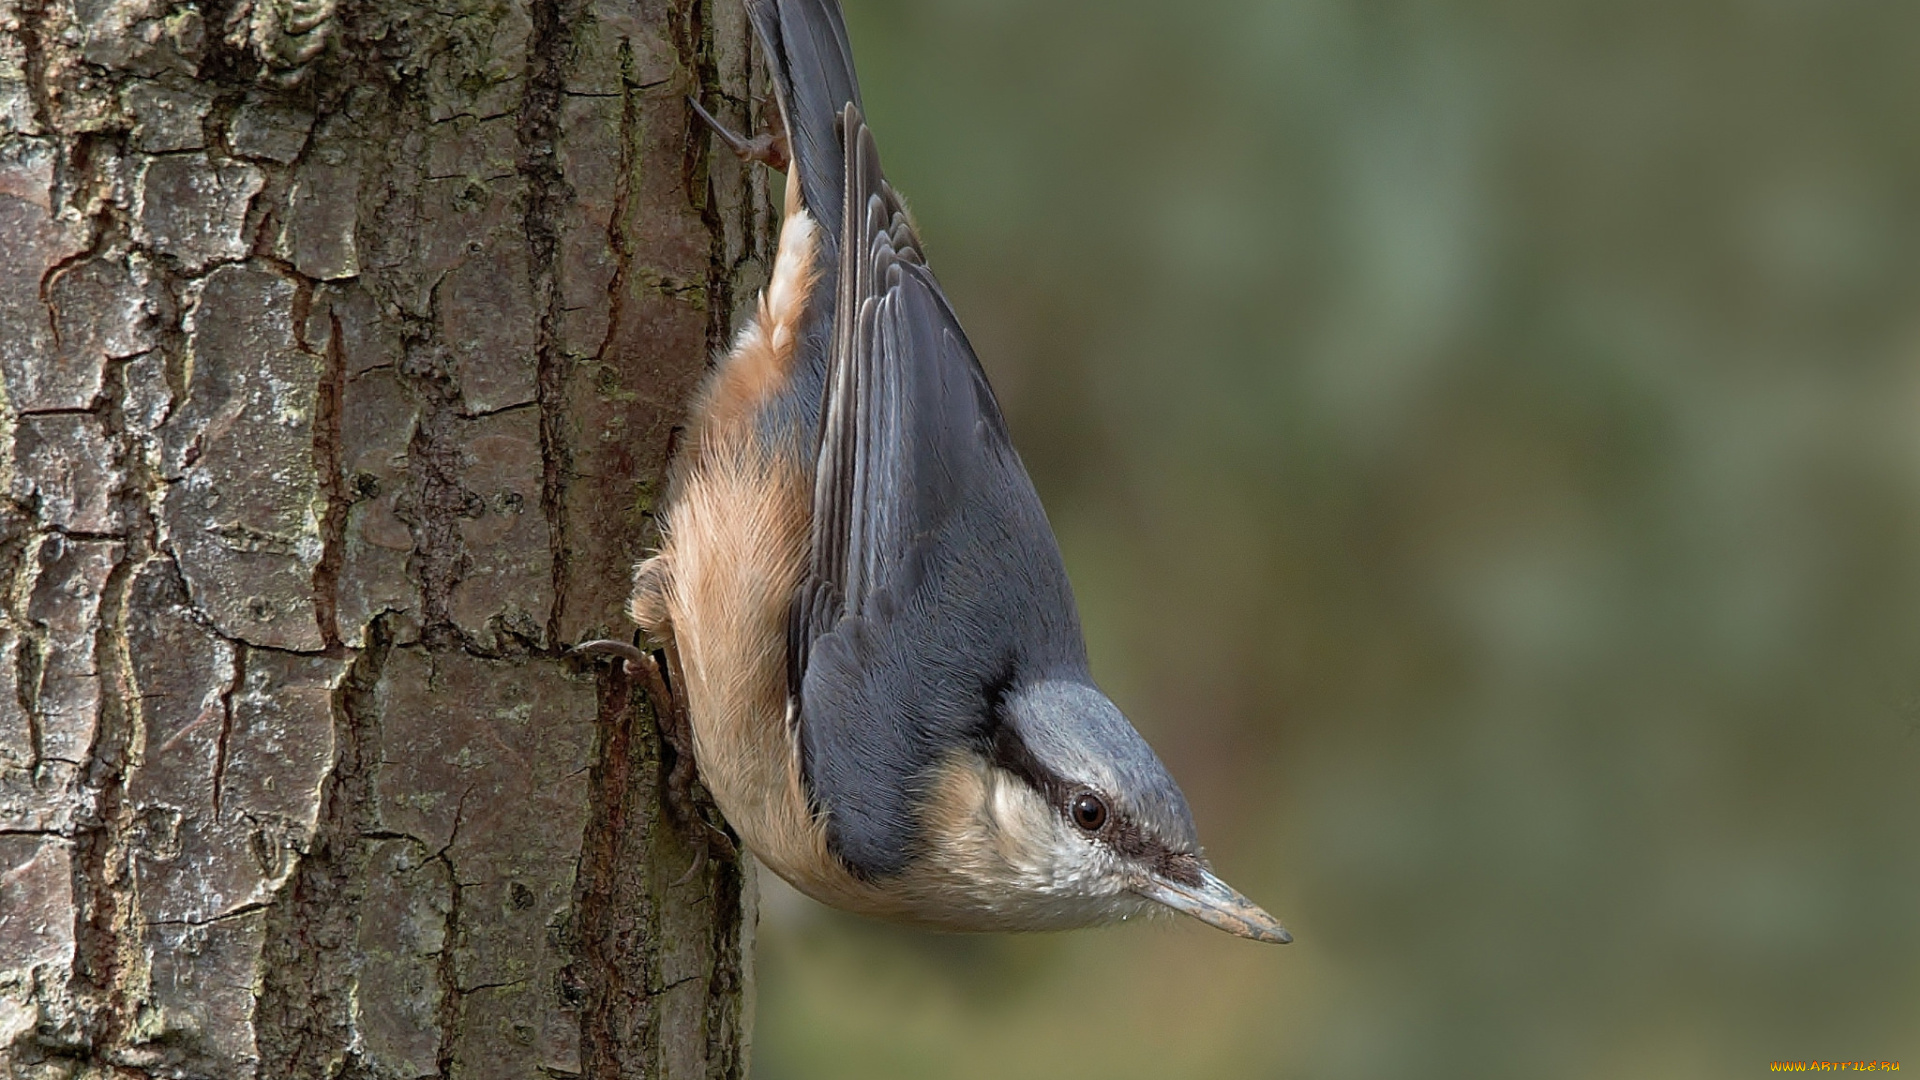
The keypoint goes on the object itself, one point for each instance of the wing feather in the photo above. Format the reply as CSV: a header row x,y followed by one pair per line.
x,y
931,563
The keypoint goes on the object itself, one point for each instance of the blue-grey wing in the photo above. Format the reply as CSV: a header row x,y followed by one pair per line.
x,y
811,63
933,576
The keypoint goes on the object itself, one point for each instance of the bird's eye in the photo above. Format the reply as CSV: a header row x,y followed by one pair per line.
x,y
1089,812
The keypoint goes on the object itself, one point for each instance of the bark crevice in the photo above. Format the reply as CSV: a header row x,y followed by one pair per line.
x,y
547,193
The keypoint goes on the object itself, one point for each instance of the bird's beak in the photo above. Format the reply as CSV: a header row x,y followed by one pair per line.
x,y
1215,903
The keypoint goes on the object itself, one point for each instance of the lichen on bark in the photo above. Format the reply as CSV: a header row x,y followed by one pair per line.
x,y
341,348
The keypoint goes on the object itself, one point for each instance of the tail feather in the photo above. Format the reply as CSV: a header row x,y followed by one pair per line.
x,y
812,67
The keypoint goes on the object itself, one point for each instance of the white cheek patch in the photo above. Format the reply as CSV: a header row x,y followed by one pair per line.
x,y
1004,858
1038,848
1015,823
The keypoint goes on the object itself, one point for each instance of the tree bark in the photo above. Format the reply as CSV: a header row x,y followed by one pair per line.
x,y
342,344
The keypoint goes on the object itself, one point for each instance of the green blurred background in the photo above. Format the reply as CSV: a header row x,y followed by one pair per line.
x,y
1485,439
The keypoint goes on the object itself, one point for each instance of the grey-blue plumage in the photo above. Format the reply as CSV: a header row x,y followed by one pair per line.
x,y
935,592
932,747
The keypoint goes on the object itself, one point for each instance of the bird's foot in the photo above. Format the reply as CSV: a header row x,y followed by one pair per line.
x,y
679,736
676,730
769,148
670,712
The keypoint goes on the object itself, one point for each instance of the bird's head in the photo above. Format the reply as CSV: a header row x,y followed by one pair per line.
x,y
1065,817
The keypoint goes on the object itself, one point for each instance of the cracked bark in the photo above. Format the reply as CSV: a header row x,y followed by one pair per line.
x,y
341,349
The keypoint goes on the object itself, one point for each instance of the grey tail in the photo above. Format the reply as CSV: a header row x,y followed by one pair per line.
x,y
812,67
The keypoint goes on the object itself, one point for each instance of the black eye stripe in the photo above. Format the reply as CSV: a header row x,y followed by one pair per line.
x,y
1004,747
993,693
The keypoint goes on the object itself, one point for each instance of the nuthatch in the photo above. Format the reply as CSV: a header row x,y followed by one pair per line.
x,y
877,649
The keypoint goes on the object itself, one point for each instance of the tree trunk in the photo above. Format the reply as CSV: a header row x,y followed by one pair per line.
x,y
342,344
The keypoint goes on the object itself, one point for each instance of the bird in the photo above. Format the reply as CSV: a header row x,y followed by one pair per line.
x,y
874,652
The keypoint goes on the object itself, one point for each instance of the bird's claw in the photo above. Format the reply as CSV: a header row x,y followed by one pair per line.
x,y
717,840
626,650
769,148
694,869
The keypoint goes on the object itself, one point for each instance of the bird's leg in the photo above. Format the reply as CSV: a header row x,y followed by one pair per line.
x,y
769,148
676,730
668,713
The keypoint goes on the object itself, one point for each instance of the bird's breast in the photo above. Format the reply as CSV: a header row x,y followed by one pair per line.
x,y
735,535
